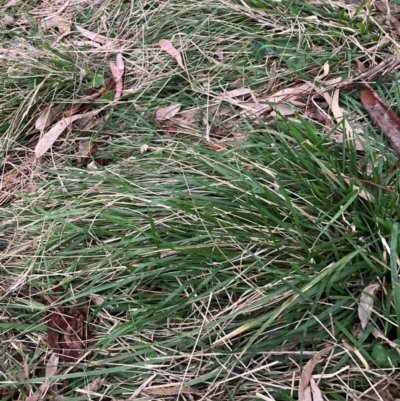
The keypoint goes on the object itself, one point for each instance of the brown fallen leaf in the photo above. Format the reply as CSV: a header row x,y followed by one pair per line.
x,y
166,113
48,139
167,46
103,40
366,304
67,332
305,377
383,116
47,117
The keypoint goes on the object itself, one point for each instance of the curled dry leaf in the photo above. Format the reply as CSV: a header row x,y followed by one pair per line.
x,y
167,46
383,116
307,373
166,113
366,304
48,139
47,117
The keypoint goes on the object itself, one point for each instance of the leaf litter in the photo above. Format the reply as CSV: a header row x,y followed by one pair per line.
x,y
67,331
95,37
166,113
47,117
383,116
167,46
366,304
48,139
306,376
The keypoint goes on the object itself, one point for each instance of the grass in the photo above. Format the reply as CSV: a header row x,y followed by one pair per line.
x,y
219,273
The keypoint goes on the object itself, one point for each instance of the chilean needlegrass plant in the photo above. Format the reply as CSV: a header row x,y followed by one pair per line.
x,y
221,273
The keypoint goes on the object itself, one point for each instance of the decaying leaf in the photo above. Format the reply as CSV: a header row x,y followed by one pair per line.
x,y
48,139
166,113
67,331
47,117
103,40
307,373
383,116
167,46
366,304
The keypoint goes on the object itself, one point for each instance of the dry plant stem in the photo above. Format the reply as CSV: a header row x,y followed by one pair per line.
x,y
389,64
